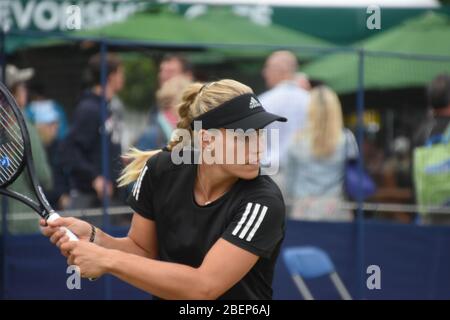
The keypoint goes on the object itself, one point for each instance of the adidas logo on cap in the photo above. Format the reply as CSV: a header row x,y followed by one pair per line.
x,y
254,103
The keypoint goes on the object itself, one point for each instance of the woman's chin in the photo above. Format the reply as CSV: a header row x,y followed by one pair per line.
x,y
251,171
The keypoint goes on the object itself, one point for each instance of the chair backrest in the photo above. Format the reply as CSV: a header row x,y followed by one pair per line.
x,y
308,262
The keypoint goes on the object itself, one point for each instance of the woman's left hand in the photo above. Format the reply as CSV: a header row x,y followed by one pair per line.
x,y
92,259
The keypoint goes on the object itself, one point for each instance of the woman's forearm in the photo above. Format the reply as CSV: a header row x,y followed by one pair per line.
x,y
163,279
125,244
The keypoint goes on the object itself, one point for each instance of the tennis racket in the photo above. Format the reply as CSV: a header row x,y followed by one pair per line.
x,y
15,157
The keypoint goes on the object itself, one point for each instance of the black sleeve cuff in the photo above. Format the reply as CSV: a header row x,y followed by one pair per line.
x,y
139,210
247,246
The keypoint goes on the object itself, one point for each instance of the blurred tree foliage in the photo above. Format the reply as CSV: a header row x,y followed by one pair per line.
x,y
140,83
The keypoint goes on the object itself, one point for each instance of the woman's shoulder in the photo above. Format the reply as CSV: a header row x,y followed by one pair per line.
x,y
162,162
263,193
263,187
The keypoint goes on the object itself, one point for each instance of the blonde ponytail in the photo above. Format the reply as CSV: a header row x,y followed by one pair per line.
x,y
138,160
325,121
185,113
197,99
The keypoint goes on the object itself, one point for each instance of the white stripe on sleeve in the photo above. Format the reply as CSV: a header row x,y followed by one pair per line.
x,y
258,223
139,183
250,221
244,217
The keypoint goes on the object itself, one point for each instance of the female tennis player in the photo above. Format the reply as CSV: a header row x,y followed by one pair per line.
x,y
200,231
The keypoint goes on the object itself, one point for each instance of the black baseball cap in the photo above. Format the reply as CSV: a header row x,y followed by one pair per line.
x,y
242,112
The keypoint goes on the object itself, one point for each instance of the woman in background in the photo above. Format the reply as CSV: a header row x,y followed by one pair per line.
x,y
163,122
316,160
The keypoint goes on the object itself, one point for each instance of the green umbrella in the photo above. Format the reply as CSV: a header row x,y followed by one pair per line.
x,y
16,42
217,27
428,34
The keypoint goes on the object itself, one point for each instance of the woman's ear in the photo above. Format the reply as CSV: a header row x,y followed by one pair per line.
x,y
205,140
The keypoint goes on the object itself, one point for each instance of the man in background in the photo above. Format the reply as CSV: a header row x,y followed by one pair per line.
x,y
41,103
159,131
439,101
173,65
83,146
302,80
431,163
47,122
175,71
286,98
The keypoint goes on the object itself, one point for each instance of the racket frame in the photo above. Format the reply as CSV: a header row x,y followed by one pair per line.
x,y
42,207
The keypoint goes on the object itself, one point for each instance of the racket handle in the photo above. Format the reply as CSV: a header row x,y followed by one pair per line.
x,y
70,234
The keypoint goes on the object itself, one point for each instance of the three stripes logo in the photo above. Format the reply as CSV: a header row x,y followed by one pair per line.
x,y
249,224
138,184
254,103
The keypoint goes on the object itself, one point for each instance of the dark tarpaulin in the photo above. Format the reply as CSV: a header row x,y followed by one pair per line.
x,y
414,264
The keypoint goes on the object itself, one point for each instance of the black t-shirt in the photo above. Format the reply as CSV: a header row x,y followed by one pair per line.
x,y
251,216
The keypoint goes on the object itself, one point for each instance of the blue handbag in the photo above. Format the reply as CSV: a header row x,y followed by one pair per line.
x,y
358,184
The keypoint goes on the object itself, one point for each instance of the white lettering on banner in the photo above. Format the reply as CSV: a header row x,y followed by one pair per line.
x,y
91,11
46,16
259,14
50,15
5,15
22,15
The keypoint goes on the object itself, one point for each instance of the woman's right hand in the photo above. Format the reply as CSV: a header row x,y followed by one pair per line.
x,y
58,236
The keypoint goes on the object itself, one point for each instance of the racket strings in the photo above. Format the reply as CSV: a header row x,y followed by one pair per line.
x,y
11,143
11,122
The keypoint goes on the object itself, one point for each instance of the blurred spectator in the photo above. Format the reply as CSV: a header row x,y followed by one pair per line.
x,y
160,129
162,119
439,101
16,83
395,183
40,103
174,65
83,145
399,165
118,123
47,125
374,155
316,160
431,133
303,81
284,98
